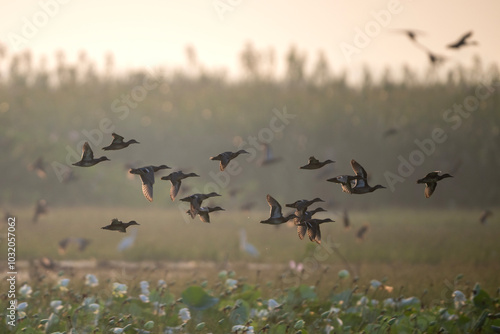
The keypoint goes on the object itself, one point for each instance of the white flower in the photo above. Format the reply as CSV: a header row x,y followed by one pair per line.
x,y
363,301
56,305
272,304
410,301
231,283
63,284
184,314
459,299
91,280
334,310
119,290
240,329
162,283
389,302
26,290
343,274
145,287
144,298
329,328
94,308
374,302
22,306
375,284
117,330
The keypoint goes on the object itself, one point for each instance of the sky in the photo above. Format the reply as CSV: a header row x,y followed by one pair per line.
x,y
351,33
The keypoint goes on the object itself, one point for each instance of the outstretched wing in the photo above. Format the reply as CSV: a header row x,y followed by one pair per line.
x,y
117,138
174,189
301,231
429,189
358,169
275,207
87,153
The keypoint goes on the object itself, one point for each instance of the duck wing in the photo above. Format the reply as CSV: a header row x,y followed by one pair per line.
x,y
358,169
174,189
301,231
429,188
117,139
275,207
87,153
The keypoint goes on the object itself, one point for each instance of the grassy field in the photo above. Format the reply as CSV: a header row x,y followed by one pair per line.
x,y
416,249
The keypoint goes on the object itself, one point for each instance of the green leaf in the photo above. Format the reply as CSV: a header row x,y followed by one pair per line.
x,y
149,325
240,313
197,299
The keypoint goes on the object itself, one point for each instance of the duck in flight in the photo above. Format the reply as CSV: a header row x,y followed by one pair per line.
x,y
313,230
463,41
147,175
118,143
276,216
118,225
314,163
87,159
226,157
175,178
203,212
431,181
195,201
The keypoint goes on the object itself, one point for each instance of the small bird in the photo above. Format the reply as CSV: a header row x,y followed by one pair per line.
x,y
314,163
484,216
434,58
276,217
175,178
462,41
81,242
204,211
195,201
361,183
87,159
147,175
226,157
360,235
431,180
411,33
313,230
40,209
268,157
390,132
118,143
118,225
345,181
39,167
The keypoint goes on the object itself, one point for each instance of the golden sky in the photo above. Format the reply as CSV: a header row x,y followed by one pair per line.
x,y
152,33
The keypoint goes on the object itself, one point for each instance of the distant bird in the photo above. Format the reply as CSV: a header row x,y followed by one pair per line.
x,y
87,159
118,225
276,217
195,201
484,216
411,33
313,230
361,232
39,167
175,178
226,157
314,163
81,242
346,220
40,209
268,157
147,175
462,41
434,58
204,211
127,241
361,183
118,143
431,180
390,132
246,246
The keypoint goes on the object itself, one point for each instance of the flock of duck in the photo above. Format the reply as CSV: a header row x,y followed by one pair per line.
x,y
302,218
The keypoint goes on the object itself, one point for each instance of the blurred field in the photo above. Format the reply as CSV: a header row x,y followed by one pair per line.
x,y
415,249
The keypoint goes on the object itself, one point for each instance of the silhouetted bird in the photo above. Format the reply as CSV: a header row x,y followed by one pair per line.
x,y
40,209
175,178
431,180
462,41
147,175
361,184
87,159
313,230
411,33
38,167
195,201
82,244
268,157
276,217
303,204
303,217
118,225
434,58
203,212
118,143
314,163
226,157
390,132
484,216
360,235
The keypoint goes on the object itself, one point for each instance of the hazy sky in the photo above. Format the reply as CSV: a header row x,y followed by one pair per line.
x,y
149,33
